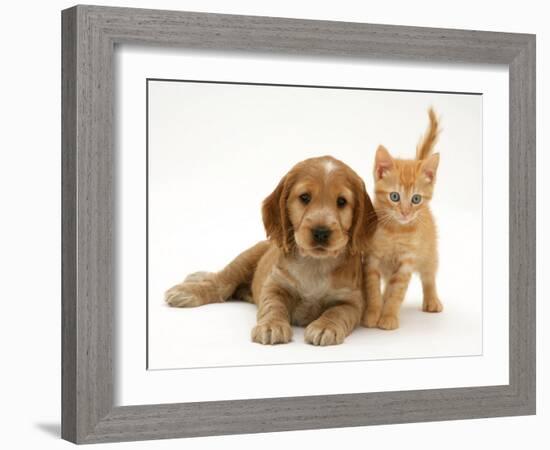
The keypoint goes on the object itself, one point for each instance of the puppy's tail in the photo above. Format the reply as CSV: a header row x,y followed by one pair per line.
x,y
427,142
233,281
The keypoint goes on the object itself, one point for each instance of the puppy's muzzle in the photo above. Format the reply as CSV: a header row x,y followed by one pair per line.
x,y
321,235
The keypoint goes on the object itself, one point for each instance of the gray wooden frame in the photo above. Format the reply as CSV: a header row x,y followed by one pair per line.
x,y
89,36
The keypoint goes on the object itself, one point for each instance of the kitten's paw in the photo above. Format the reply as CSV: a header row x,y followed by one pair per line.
x,y
371,318
270,333
323,333
432,305
388,322
190,294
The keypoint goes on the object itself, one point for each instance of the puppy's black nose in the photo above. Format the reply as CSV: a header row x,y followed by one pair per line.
x,y
321,235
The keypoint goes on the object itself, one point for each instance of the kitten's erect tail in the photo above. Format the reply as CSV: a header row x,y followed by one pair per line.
x,y
427,142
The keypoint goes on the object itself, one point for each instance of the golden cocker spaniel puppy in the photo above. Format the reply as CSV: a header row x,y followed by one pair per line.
x,y
309,273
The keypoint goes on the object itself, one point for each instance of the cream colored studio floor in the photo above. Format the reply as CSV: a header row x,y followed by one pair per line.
x,y
218,335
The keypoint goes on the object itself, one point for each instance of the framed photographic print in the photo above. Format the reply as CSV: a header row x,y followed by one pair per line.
x,y
278,224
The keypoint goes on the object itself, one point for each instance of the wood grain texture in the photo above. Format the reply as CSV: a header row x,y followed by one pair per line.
x,y
88,211
68,225
522,224
89,36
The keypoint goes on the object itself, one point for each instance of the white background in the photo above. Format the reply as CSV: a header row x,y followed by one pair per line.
x,y
30,226
216,150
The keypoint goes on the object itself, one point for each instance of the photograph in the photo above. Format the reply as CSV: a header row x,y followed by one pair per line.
x,y
275,224
295,224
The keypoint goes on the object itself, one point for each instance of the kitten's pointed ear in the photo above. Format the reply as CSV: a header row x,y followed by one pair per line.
x,y
383,162
429,167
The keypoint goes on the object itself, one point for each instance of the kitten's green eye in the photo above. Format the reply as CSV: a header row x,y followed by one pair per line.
x,y
416,199
394,196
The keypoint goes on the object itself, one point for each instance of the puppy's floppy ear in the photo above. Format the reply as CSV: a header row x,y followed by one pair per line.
x,y
364,219
275,215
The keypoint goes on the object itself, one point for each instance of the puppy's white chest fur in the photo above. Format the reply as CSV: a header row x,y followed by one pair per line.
x,y
310,282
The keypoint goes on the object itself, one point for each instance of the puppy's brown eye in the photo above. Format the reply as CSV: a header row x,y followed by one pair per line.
x,y
341,202
305,198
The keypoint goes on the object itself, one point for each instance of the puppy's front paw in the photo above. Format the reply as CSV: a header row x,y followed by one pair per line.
x,y
432,305
371,318
388,322
189,294
320,332
269,333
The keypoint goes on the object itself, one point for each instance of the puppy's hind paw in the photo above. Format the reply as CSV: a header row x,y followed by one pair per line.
x,y
190,294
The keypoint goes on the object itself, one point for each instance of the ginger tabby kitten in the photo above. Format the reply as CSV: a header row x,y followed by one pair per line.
x,y
406,239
